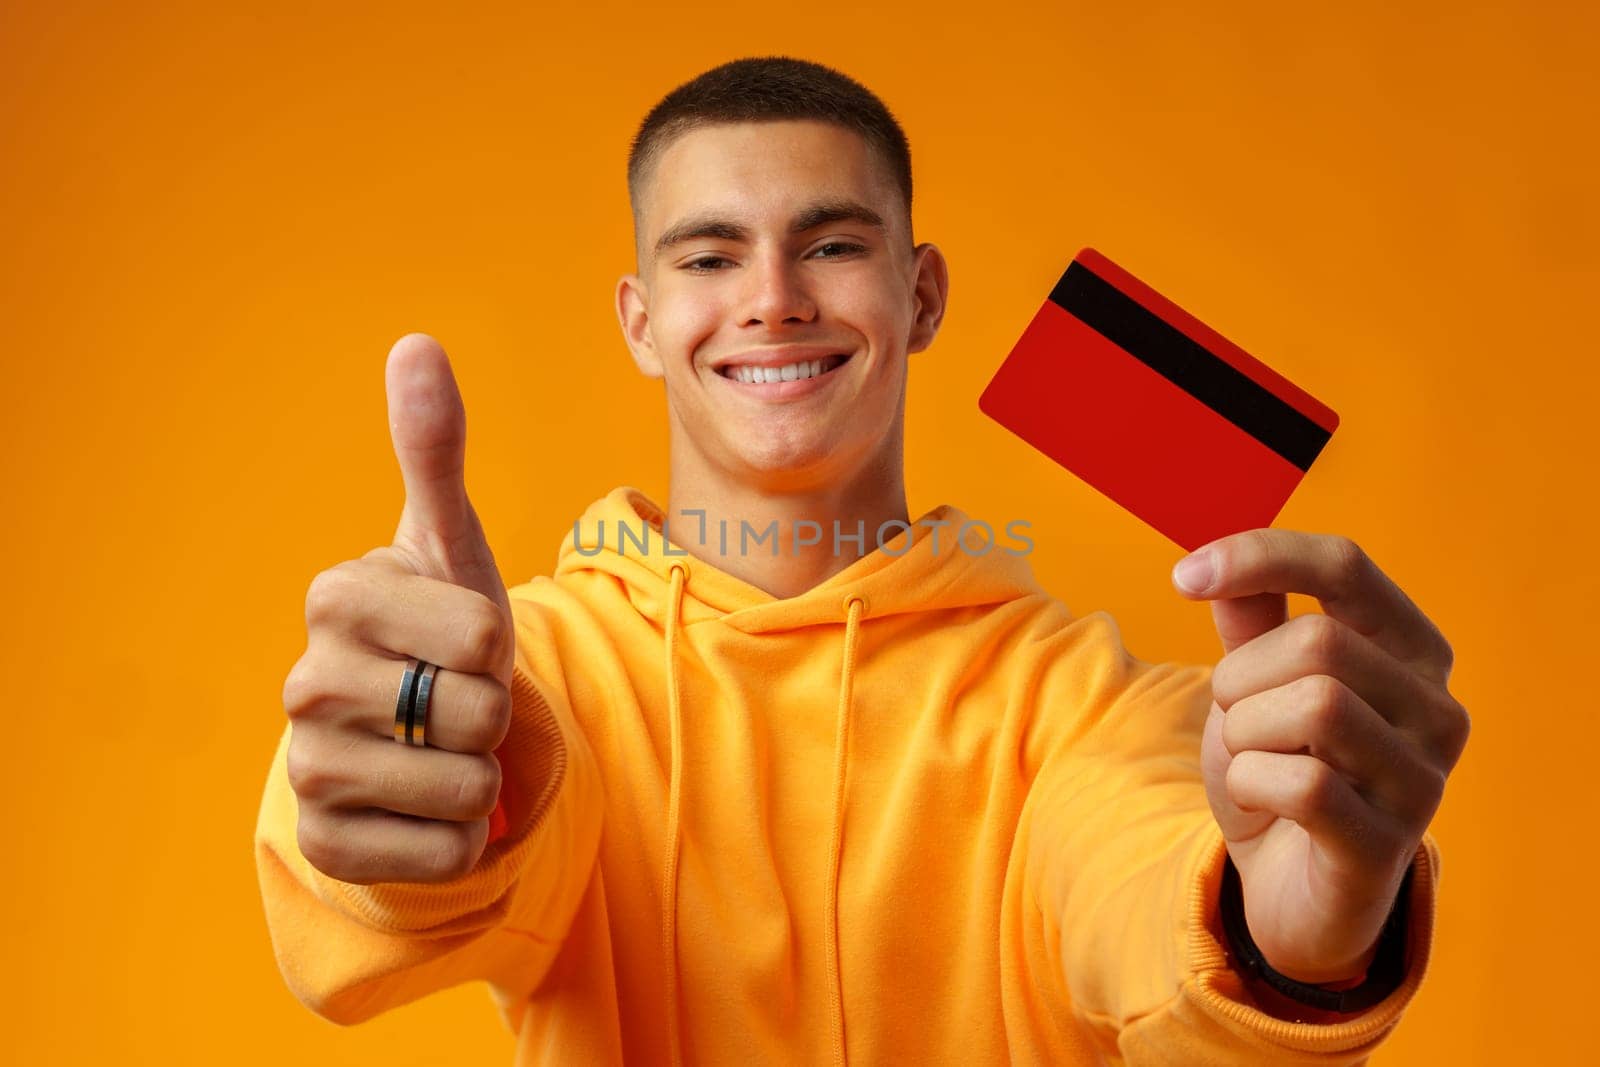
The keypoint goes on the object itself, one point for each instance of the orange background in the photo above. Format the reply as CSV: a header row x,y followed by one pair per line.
x,y
215,225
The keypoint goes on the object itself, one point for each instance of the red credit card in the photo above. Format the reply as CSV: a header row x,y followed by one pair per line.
x,y
1154,408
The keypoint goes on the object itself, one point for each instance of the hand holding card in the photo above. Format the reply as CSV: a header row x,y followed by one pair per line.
x,y
1155,409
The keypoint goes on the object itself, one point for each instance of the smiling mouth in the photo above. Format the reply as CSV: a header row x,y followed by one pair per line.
x,y
792,372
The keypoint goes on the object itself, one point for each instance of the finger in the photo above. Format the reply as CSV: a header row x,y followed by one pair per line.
x,y
1317,644
363,847
428,425
350,770
469,713
1335,570
1319,716
1306,791
384,608
1242,619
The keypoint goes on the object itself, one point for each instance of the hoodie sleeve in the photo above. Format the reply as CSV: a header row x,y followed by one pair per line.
x,y
1125,865
349,952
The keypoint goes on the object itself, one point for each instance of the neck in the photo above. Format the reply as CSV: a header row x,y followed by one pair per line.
x,y
736,512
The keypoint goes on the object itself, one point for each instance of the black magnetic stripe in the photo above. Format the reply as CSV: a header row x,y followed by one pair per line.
x,y
1189,365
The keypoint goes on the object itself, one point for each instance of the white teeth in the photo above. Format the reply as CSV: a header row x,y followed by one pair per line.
x,y
793,372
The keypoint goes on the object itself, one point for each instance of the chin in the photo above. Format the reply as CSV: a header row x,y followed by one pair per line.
x,y
789,462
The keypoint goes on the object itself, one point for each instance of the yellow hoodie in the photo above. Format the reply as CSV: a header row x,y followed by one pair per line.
x,y
919,813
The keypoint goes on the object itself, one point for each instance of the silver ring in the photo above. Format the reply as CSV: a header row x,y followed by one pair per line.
x,y
411,706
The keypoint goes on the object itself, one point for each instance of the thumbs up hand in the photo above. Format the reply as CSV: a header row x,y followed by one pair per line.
x,y
371,809
1328,743
439,535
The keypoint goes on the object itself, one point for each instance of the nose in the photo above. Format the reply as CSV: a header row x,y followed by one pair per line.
x,y
775,292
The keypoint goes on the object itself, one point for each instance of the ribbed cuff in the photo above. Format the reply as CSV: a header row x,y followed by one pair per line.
x,y
533,761
1221,990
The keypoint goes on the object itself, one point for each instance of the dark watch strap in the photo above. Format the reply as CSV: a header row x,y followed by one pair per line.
x,y
1384,975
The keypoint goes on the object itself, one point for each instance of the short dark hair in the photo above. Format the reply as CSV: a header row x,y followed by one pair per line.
x,y
770,89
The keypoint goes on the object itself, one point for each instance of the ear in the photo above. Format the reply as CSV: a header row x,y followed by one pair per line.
x,y
633,312
932,289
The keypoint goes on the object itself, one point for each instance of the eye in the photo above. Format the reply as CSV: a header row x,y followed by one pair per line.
x,y
712,264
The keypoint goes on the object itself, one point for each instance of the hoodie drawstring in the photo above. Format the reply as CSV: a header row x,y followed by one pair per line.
x,y
854,606
669,887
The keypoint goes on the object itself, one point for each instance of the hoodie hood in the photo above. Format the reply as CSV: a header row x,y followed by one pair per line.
x,y
924,569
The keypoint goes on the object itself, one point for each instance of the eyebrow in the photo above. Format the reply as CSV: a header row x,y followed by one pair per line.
x,y
818,213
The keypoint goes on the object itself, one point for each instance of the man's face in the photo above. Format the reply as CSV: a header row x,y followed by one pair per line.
x,y
779,249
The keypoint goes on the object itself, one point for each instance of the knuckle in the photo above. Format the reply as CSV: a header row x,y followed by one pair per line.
x,y
481,636
1457,728
1318,638
305,689
309,776
500,720
1258,544
1434,779
455,856
329,595
1236,730
1327,704
1315,785
1447,653
490,716
1251,549
478,789
319,846
385,557
297,691
1349,560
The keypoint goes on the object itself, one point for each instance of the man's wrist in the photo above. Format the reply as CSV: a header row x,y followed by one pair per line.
x,y
1279,994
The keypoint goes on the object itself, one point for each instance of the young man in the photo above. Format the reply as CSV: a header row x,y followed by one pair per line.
x,y
774,774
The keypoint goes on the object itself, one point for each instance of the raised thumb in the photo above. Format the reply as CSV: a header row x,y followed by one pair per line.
x,y
438,530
